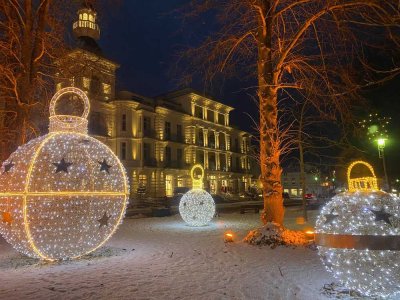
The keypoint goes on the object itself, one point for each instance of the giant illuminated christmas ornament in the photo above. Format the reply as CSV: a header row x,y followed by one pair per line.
x,y
64,194
358,237
197,207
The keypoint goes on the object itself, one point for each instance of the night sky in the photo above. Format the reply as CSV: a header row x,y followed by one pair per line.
x,y
144,38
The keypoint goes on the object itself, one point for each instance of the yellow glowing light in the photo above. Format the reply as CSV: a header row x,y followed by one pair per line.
x,y
228,238
99,194
197,183
368,183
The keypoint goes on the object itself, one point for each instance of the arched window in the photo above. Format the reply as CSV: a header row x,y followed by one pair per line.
x,y
91,18
85,16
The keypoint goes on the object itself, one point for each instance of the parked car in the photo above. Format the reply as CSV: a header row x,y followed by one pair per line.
x,y
311,199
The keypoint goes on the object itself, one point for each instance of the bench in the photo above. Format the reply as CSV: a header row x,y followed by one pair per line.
x,y
245,208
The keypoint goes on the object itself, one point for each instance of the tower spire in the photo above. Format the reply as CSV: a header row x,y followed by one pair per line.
x,y
86,25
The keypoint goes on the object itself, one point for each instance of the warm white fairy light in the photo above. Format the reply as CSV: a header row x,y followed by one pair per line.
x,y
197,207
64,194
358,234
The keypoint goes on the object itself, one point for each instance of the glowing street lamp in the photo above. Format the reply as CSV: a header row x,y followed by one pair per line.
x,y
381,150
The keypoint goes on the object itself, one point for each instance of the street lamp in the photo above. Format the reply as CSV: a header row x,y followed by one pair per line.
x,y
381,150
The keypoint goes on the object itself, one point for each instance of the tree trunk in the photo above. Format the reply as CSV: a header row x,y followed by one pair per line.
x,y
301,156
269,133
303,180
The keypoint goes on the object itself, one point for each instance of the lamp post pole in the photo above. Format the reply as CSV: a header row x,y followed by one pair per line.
x,y
381,150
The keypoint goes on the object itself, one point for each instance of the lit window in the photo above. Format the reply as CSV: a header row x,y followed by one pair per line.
x,y
85,16
106,88
86,82
142,180
91,18
58,86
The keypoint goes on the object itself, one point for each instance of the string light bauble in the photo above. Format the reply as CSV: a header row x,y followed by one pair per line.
x,y
64,194
197,207
358,237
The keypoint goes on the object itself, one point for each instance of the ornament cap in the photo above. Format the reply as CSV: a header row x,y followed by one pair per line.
x,y
197,183
69,123
368,183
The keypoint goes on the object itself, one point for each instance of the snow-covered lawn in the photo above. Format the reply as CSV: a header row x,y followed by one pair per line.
x,y
161,258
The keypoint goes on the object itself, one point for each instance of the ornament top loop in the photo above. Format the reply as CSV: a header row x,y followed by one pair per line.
x,y
69,123
197,183
70,90
367,183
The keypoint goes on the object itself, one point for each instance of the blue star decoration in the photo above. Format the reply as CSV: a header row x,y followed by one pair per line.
x,y
104,166
62,166
330,217
381,215
8,167
104,220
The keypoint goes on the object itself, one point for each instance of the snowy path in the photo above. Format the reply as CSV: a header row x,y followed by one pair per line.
x,y
170,261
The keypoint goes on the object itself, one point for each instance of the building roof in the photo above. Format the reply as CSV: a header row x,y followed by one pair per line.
x,y
190,91
89,44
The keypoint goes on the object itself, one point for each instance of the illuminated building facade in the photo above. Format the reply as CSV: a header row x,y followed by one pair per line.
x,y
157,139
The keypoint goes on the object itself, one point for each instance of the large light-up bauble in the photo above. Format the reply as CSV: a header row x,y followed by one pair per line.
x,y
64,194
197,207
358,234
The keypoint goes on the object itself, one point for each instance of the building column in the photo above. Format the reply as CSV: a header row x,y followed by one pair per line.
x,y
193,108
217,162
205,159
205,137
228,141
216,135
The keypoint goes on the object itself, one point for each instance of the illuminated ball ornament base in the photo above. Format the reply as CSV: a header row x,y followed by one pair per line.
x,y
197,207
358,237
64,194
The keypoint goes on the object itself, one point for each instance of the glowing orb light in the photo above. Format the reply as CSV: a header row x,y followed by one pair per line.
x,y
64,194
358,237
197,207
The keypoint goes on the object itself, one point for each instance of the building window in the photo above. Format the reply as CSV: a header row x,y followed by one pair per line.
x,y
210,115
168,154
179,156
123,150
106,88
221,119
146,124
167,131
198,111
179,133
180,182
142,180
123,125
211,139
146,151
200,141
168,185
95,85
58,86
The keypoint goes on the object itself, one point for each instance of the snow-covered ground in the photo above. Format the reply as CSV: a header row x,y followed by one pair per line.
x,y
161,258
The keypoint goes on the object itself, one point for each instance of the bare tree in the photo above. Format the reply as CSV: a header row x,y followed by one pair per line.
x,y
289,46
31,37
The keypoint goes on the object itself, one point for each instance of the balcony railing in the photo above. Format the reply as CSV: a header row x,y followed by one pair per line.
x,y
86,24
